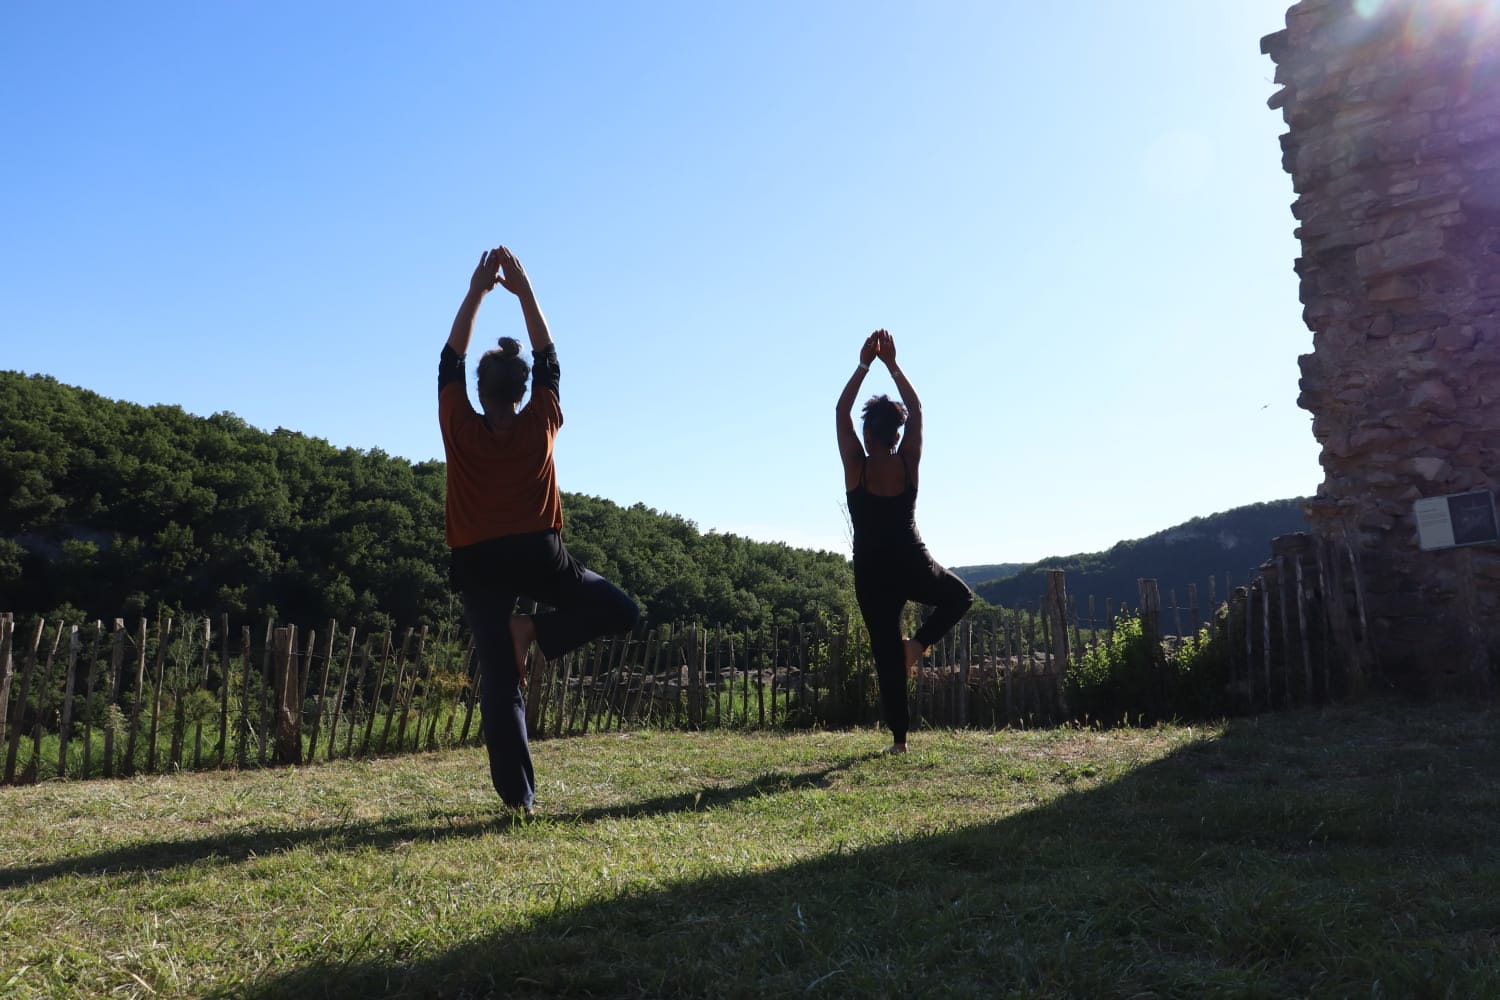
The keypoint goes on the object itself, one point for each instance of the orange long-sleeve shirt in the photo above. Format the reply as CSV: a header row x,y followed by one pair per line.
x,y
501,481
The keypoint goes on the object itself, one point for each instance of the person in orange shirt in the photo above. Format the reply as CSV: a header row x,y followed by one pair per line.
x,y
504,521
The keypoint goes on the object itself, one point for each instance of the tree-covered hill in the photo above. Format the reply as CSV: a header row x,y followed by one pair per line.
x,y
1234,542
111,508
975,575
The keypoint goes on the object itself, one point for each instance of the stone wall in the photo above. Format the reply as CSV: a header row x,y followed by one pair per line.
x,y
1393,146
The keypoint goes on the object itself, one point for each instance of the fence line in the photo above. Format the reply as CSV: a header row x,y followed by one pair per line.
x,y
125,700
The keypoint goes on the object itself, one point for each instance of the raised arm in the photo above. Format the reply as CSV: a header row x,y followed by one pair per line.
x,y
911,438
514,280
486,276
498,267
851,451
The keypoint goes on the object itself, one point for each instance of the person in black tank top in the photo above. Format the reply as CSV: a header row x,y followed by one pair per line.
x,y
891,565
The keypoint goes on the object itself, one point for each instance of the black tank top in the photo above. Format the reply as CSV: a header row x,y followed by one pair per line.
x,y
883,524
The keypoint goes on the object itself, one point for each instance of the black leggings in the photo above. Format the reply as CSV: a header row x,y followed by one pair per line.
x,y
882,585
537,566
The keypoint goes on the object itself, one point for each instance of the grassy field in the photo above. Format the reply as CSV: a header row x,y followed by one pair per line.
x,y
1349,852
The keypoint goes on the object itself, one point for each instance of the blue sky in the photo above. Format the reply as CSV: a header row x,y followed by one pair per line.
x,y
1072,217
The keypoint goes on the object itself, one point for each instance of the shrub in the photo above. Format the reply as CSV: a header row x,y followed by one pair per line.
x,y
1122,679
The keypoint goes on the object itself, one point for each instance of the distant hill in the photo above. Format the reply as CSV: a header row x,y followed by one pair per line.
x,y
975,575
1234,542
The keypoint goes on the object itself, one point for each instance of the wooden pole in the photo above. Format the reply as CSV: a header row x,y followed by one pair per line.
x,y
374,705
267,692
178,679
288,736
718,676
1010,670
636,681
139,689
247,704
963,672
7,669
411,694
322,702
65,727
396,686
1150,597
1033,622
1249,593
1265,625
203,685
14,748
89,683
1283,585
451,716
760,686
776,666
34,765
1369,659
1057,613
1333,605
1307,669
471,689
163,637
222,750
338,699
118,638
356,695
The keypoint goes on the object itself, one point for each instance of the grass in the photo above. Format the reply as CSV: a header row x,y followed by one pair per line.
x,y
1347,852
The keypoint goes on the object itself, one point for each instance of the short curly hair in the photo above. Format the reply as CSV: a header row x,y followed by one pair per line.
x,y
884,418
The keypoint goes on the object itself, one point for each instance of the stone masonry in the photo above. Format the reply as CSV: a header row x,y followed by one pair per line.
x,y
1393,111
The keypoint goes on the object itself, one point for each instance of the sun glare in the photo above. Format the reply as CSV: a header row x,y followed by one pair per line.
x,y
1482,14
1475,22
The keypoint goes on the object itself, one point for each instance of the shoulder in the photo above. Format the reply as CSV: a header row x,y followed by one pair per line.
x,y
543,407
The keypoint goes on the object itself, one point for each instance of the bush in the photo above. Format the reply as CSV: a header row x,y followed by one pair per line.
x,y
1111,684
1123,679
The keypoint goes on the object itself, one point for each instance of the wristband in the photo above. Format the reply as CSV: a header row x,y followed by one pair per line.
x,y
863,366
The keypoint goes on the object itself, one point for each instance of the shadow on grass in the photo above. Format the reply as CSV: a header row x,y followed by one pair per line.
x,y
1312,854
232,848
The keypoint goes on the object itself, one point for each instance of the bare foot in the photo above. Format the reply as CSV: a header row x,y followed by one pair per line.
x,y
522,633
914,652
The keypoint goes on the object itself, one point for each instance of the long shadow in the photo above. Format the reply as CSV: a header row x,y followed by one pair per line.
x,y
233,848
1264,863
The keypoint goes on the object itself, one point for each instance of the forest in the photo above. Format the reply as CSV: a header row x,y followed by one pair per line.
x,y
1230,544
111,508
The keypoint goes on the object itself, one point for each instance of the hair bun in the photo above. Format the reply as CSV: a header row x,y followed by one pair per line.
x,y
510,347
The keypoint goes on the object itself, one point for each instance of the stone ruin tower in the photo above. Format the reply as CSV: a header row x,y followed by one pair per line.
x,y
1393,108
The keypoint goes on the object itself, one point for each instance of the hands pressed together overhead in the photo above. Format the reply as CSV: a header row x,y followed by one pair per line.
x,y
499,267
879,344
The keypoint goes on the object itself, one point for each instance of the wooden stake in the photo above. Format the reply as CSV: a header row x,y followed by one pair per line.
x,y
312,737
223,748
338,700
140,693
288,737
91,701
65,726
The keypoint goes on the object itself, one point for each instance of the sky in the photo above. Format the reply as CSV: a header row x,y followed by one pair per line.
x,y
1072,217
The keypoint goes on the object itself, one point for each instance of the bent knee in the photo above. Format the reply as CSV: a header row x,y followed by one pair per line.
x,y
624,614
964,600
